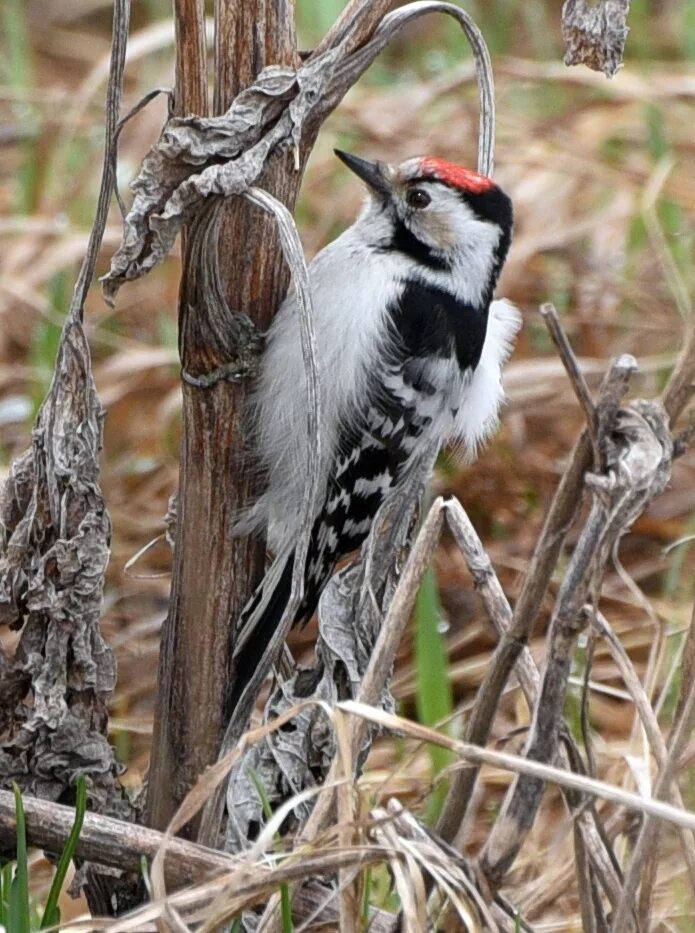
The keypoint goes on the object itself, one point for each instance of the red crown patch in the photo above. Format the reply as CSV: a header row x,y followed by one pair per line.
x,y
455,175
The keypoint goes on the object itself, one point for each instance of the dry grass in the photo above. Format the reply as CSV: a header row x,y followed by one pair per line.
x,y
603,180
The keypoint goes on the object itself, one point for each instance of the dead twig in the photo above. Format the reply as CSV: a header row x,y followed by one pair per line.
x,y
576,377
683,726
524,766
681,386
649,723
451,823
354,26
637,451
561,515
111,842
261,881
515,631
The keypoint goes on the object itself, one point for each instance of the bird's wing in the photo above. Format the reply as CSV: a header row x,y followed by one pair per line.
x,y
372,454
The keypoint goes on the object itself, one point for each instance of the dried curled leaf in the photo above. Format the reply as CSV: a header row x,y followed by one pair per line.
x,y
197,157
177,174
595,33
54,548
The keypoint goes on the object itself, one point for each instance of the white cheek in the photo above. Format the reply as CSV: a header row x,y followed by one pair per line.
x,y
470,245
434,228
443,232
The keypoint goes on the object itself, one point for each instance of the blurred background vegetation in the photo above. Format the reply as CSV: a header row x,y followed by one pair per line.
x,y
602,174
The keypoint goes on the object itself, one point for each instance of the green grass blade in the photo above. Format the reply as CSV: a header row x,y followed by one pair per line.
x,y
7,872
285,902
51,914
366,898
434,694
260,790
17,70
18,913
17,60
145,872
4,888
286,909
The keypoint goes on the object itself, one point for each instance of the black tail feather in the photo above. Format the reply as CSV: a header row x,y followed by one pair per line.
x,y
262,616
248,659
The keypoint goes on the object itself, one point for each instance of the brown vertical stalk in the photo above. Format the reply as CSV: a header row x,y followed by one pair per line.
x,y
214,573
191,58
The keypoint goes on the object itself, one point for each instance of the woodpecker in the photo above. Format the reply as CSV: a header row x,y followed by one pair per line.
x,y
410,350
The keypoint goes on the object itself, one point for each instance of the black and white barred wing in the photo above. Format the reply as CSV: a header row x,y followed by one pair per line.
x,y
407,407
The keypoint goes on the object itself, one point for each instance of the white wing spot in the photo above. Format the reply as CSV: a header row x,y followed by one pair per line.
x,y
367,487
357,528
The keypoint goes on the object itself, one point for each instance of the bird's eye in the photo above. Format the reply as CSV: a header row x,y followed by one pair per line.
x,y
418,198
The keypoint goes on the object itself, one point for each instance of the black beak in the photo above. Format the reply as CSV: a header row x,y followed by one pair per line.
x,y
372,173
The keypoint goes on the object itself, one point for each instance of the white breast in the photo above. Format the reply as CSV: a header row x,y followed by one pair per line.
x,y
482,396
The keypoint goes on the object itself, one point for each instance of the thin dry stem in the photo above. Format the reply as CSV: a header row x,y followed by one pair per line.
x,y
524,766
112,843
637,469
681,386
355,25
681,734
577,380
452,819
649,723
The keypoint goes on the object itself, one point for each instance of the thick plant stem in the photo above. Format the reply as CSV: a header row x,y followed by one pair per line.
x,y
214,573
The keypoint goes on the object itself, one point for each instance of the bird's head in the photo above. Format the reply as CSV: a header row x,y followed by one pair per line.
x,y
446,217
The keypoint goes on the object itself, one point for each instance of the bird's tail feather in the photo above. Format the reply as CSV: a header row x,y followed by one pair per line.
x,y
259,621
